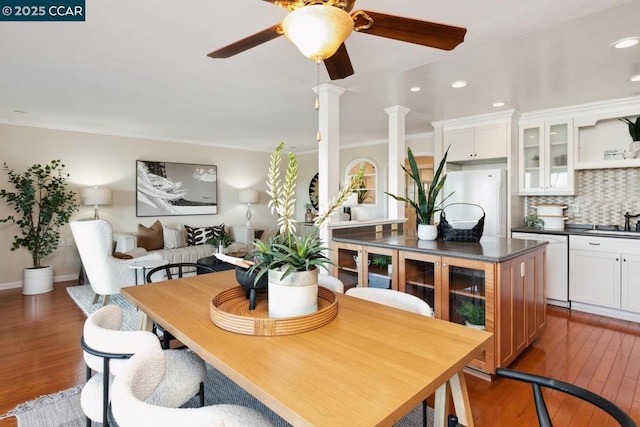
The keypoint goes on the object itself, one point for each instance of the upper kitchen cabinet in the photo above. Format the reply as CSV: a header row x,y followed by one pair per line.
x,y
477,143
546,158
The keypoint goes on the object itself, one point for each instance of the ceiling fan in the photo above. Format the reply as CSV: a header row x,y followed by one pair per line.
x,y
337,19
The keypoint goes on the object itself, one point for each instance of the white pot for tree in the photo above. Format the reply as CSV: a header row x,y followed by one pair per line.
x,y
427,232
37,280
295,295
473,325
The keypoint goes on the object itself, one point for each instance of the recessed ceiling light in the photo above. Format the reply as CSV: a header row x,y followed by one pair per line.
x,y
624,43
635,78
499,104
415,89
458,84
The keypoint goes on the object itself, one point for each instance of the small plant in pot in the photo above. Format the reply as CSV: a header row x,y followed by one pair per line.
x,y
43,205
382,261
472,313
292,260
634,132
427,204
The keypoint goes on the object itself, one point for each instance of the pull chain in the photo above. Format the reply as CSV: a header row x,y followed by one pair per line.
x,y
317,103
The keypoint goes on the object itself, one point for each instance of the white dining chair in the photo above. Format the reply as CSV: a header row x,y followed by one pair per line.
x,y
392,298
107,350
331,282
144,371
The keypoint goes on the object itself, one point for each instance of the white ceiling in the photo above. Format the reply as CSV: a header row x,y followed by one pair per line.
x,y
139,68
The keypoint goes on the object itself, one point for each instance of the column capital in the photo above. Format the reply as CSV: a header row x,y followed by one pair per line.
x,y
329,89
397,109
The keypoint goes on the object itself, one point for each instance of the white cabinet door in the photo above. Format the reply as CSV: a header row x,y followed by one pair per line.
x,y
490,142
546,158
594,278
461,142
631,283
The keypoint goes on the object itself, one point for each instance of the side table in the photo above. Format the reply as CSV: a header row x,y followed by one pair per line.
x,y
144,265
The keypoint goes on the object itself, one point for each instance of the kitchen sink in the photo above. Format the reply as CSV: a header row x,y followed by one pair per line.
x,y
616,232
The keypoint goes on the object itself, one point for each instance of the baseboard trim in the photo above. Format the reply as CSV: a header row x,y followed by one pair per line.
x,y
56,279
605,311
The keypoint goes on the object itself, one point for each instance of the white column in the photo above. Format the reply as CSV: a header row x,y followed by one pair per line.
x,y
328,148
396,157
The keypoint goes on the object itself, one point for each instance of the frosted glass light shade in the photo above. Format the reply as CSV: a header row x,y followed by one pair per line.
x,y
96,196
248,196
317,30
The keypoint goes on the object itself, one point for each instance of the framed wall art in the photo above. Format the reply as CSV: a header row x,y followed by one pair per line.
x,y
166,188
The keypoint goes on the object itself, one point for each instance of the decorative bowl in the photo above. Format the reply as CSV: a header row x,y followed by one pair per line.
x,y
247,281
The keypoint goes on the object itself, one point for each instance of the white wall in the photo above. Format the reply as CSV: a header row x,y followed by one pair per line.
x,y
92,159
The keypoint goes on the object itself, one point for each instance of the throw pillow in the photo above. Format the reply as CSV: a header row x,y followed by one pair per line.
x,y
200,235
121,255
174,237
150,238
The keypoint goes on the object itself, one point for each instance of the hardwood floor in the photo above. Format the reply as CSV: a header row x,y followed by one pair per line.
x,y
41,355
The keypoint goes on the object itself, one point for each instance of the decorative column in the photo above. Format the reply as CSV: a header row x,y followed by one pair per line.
x,y
328,148
396,157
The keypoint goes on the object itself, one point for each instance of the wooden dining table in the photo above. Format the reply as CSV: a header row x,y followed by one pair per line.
x,y
370,366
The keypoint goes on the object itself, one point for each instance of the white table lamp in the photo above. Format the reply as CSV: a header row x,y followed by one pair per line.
x,y
96,196
248,196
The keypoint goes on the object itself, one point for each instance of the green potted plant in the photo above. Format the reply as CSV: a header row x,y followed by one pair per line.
x,y
224,240
363,193
292,260
634,131
472,313
42,204
382,261
533,221
427,204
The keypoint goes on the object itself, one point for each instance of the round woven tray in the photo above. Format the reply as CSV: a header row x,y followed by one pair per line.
x,y
229,310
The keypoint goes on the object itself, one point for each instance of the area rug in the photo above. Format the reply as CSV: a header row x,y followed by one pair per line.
x,y
63,409
83,297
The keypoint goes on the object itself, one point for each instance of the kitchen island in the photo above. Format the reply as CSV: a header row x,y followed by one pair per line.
x,y
503,280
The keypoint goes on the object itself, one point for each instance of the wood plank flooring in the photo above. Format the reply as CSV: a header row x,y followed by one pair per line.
x,y
40,354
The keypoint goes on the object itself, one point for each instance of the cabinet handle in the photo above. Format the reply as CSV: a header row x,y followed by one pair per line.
x,y
624,260
594,244
437,263
444,264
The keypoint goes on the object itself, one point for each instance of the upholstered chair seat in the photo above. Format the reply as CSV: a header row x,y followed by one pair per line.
x,y
132,407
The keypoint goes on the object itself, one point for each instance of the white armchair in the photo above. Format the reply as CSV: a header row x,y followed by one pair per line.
x,y
107,274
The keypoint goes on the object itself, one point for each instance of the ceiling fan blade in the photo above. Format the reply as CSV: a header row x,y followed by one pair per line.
x,y
424,33
247,43
339,65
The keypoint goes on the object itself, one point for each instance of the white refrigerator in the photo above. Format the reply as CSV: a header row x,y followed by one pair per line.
x,y
486,188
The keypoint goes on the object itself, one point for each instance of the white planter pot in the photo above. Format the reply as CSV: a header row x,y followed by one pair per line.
x,y
295,295
471,325
427,232
37,280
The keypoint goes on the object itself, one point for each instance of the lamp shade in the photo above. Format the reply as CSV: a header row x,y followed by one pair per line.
x,y
248,196
317,30
96,196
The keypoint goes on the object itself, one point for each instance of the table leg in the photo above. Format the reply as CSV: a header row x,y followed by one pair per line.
x,y
146,324
440,406
461,399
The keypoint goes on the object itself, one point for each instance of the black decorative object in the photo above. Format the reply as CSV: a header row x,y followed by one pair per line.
x,y
247,281
313,192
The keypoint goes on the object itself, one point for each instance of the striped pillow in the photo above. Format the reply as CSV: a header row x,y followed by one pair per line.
x,y
200,235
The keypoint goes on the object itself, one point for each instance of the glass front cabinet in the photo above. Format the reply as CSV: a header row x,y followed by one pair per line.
x,y
364,266
455,288
546,158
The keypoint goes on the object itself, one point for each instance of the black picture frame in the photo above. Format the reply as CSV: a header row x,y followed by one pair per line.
x,y
171,189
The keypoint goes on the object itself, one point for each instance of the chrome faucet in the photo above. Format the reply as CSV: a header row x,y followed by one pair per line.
x,y
627,224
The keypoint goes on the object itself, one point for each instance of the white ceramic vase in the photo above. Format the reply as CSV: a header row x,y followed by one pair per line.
x,y
37,280
427,232
295,295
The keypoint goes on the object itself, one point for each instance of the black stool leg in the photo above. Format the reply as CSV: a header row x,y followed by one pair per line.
x,y
201,394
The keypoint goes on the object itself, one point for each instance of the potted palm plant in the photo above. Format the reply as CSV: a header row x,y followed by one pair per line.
x,y
292,260
634,131
427,204
42,204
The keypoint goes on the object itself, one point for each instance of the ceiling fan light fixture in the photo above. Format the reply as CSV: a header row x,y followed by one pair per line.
x,y
317,30
625,43
635,78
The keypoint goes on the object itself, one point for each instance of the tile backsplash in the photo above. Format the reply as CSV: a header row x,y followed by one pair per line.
x,y
602,196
